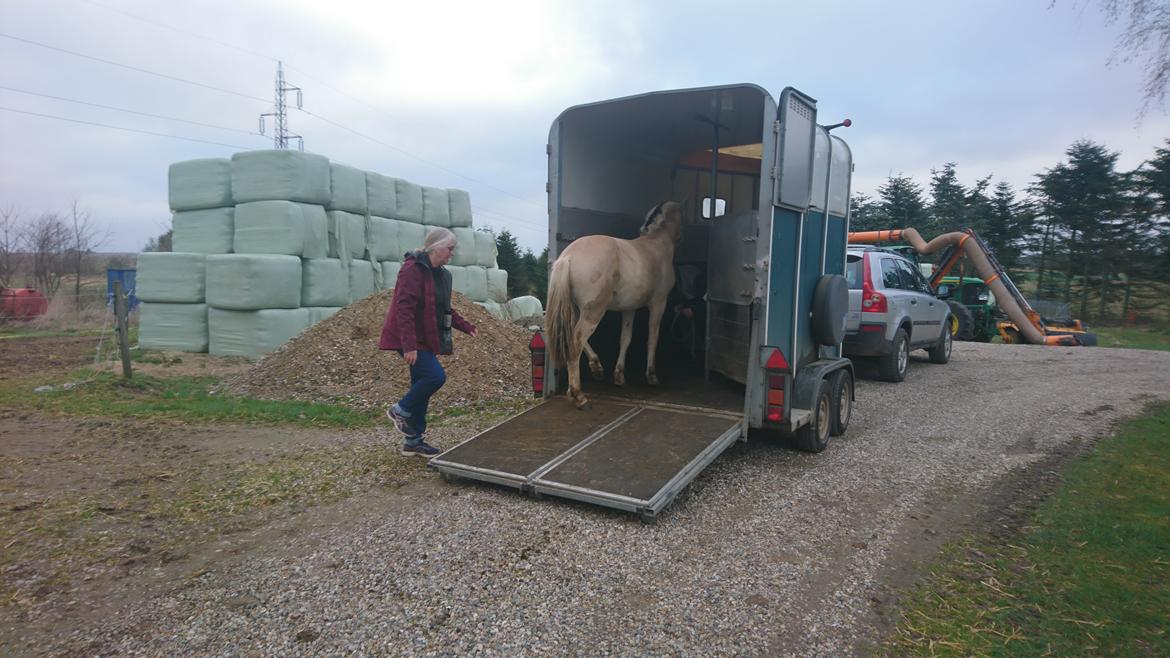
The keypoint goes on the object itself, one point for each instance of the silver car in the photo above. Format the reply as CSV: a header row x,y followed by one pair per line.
x,y
892,310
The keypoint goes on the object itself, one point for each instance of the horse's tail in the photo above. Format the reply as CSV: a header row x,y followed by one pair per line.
x,y
558,317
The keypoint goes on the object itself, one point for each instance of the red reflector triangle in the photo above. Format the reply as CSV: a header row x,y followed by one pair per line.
x,y
776,360
537,342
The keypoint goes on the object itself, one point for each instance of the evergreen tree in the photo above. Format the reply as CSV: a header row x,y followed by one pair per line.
x,y
901,203
509,259
948,203
539,276
978,206
161,243
863,213
1008,224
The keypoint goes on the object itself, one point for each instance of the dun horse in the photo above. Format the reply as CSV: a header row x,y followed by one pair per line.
x,y
599,273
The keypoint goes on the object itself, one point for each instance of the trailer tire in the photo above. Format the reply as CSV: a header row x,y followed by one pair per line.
x,y
962,321
830,309
814,437
892,367
842,388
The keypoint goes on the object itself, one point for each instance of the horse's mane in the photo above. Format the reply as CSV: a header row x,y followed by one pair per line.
x,y
649,224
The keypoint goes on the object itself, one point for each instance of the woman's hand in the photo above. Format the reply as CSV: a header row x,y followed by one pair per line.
x,y
410,357
474,332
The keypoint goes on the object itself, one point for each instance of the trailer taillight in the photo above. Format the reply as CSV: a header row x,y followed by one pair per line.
x,y
775,373
536,347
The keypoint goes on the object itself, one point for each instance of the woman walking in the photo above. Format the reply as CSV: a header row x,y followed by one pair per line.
x,y
418,327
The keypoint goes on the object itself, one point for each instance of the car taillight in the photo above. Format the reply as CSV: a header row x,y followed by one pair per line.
x,y
536,347
872,301
775,371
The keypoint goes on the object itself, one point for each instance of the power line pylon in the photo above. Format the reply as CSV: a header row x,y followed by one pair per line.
x,y
281,137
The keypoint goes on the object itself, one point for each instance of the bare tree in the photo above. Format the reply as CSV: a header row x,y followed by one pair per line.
x,y
46,238
10,233
84,237
1146,37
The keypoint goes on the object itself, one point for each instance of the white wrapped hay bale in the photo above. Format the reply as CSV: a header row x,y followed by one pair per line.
x,y
472,283
363,281
408,199
410,237
390,271
381,195
436,207
485,249
347,189
523,307
208,231
280,175
497,285
172,277
246,282
497,310
179,327
324,282
281,227
253,334
460,203
382,239
347,235
199,184
319,313
465,251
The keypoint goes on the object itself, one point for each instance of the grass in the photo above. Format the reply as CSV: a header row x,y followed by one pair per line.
x,y
1087,575
176,398
1142,338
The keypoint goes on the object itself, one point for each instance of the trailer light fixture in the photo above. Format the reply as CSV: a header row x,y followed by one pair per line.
x,y
776,360
536,347
775,366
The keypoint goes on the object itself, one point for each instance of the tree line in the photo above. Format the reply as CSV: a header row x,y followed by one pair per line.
x,y
1083,232
527,272
43,250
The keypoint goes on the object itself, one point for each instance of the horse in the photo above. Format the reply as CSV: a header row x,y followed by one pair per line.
x,y
599,273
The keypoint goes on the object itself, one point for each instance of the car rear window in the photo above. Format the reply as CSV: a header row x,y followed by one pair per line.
x,y
853,271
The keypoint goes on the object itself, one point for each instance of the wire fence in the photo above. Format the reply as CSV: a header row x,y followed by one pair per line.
x,y
65,311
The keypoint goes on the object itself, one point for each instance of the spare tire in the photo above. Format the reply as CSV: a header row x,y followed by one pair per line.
x,y
830,309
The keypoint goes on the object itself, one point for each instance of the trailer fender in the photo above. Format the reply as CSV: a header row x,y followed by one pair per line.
x,y
810,377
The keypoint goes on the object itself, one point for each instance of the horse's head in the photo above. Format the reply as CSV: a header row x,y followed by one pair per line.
x,y
666,216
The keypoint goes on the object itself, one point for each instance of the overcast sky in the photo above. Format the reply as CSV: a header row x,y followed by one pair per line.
x,y
461,94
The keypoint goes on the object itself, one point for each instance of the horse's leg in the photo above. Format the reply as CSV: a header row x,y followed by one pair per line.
x,y
594,362
657,306
586,325
619,371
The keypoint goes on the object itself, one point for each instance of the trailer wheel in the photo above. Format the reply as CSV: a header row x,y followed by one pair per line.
x,y
842,388
814,437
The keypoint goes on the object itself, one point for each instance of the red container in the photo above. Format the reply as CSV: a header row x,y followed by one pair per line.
x,y
22,303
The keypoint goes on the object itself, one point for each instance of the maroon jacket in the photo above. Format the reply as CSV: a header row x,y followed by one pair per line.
x,y
412,322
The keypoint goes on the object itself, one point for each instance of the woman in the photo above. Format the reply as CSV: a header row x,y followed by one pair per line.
x,y
418,326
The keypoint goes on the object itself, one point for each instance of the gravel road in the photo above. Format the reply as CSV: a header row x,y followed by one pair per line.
x,y
769,552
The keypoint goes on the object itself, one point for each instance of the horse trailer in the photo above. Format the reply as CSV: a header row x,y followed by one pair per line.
x,y
765,191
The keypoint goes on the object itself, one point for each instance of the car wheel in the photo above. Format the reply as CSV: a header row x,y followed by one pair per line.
x,y
892,367
842,388
814,437
941,352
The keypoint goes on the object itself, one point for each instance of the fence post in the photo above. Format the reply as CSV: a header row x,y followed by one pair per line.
x,y
122,325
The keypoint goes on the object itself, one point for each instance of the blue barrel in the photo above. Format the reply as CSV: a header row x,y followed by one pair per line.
x,y
126,276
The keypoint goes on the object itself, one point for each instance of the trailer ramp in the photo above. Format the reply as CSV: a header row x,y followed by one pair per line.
x,y
632,455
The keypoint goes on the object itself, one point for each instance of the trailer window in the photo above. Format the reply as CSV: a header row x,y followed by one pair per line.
x,y
853,271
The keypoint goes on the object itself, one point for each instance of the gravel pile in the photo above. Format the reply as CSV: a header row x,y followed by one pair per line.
x,y
769,552
338,360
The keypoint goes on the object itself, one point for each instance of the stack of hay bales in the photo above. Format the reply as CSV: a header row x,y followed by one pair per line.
x,y
268,243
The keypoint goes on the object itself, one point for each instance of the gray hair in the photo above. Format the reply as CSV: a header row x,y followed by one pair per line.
x,y
438,237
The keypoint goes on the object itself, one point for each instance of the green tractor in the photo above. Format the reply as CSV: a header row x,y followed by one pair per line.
x,y
973,310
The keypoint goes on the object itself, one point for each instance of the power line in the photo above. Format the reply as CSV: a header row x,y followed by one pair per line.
x,y
181,30
133,68
133,130
129,111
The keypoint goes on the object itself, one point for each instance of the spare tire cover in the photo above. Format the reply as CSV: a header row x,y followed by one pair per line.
x,y
830,308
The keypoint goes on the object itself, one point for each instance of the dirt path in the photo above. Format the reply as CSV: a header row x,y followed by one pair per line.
x,y
770,551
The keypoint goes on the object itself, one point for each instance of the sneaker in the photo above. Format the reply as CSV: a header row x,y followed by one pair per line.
x,y
422,449
396,417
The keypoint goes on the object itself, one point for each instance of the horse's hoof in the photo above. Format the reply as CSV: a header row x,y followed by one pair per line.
x,y
598,374
584,404
652,380
619,379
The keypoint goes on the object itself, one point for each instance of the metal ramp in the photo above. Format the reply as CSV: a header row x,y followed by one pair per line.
x,y
631,455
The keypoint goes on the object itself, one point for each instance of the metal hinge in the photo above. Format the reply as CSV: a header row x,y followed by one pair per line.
x,y
749,238
776,127
775,173
548,149
548,188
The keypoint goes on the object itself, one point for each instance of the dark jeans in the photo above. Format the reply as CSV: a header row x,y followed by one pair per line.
x,y
426,377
